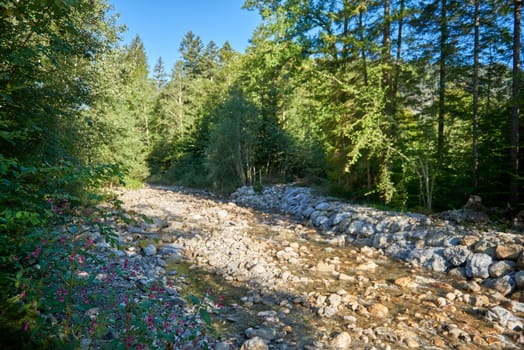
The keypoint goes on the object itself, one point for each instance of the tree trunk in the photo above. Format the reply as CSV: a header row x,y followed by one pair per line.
x,y
442,81
386,51
363,49
514,138
394,88
476,49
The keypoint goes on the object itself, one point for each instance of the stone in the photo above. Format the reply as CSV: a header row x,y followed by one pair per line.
x,y
504,317
355,227
380,240
325,267
437,263
519,280
265,333
457,273
344,277
477,265
322,206
508,251
341,341
328,311
367,230
485,246
378,310
500,268
520,261
321,222
338,218
255,343
339,240
457,255
474,203
469,240
334,300
399,250
479,300
367,266
412,343
171,249
504,285
258,269
150,250
222,346
406,282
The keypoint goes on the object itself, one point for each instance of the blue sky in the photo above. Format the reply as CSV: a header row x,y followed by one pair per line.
x,y
161,24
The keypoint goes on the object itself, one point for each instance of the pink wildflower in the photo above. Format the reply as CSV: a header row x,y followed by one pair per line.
x,y
92,327
26,326
150,321
89,241
61,294
36,252
22,295
126,263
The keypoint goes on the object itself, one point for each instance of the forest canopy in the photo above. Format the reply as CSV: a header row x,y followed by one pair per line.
x,y
412,103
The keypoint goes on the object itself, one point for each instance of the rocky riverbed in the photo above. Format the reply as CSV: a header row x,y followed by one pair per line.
x,y
298,271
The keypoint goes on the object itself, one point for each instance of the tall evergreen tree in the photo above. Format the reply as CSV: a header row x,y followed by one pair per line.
x,y
515,101
159,73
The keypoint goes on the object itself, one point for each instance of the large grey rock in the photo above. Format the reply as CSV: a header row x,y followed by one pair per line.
x,y
381,240
338,218
520,261
399,250
322,206
477,265
519,280
457,255
485,246
367,230
504,317
322,222
355,227
504,285
501,268
429,258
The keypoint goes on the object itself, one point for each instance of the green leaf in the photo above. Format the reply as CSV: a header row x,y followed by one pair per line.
x,y
205,316
194,299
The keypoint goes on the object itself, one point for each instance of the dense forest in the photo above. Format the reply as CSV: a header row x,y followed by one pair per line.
x,y
414,104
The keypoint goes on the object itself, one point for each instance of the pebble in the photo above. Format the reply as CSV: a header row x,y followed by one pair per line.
x,y
378,310
341,341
